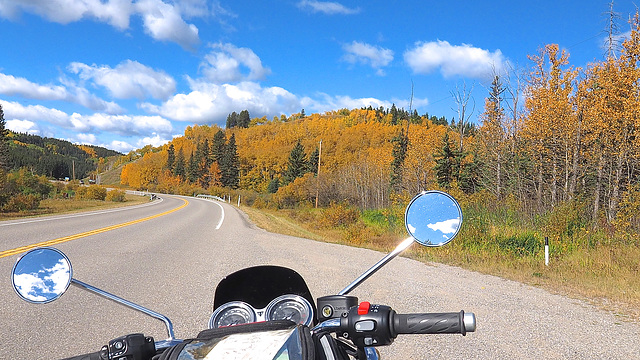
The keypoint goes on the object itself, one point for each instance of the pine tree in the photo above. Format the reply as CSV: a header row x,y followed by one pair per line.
x,y
447,164
4,148
217,147
313,161
399,152
171,157
244,119
179,167
297,165
232,120
230,165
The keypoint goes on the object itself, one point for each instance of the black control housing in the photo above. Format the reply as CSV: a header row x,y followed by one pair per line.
x,y
333,306
129,347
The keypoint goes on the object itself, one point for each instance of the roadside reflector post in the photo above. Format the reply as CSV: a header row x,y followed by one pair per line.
x,y
546,250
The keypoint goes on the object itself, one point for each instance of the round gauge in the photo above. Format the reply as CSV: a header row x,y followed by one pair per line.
x,y
290,307
232,313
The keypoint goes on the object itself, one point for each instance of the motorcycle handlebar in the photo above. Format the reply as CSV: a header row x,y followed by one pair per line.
x,y
434,323
90,356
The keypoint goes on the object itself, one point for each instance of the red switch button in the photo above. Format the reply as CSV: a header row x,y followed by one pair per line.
x,y
363,309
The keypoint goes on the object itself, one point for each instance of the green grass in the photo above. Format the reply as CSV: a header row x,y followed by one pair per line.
x,y
584,263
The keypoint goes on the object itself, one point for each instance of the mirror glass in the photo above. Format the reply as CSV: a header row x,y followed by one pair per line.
x,y
41,275
433,218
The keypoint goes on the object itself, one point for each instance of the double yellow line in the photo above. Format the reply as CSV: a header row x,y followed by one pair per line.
x,y
84,234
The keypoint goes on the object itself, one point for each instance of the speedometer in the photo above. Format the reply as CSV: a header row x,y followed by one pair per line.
x,y
290,307
232,313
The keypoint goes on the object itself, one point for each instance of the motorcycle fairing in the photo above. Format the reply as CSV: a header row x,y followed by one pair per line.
x,y
259,285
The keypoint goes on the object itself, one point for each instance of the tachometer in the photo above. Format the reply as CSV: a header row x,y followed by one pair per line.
x,y
232,313
290,307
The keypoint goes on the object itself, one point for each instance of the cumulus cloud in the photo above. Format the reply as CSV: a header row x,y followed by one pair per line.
x,y
375,56
161,20
326,7
11,85
454,60
23,126
164,22
19,115
228,63
129,79
210,103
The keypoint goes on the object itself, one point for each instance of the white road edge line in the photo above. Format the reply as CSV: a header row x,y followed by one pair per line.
x,y
99,212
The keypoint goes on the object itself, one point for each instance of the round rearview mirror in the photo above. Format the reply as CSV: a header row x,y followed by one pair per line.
x,y
41,275
433,218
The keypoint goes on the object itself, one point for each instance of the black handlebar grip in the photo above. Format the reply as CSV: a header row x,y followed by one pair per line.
x,y
90,356
434,323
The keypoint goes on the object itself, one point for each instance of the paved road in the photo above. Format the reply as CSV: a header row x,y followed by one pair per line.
x,y
172,263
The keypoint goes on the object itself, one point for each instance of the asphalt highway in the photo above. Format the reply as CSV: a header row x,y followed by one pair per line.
x,y
168,255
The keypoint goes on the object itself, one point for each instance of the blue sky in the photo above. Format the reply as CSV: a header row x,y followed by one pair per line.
x,y
126,73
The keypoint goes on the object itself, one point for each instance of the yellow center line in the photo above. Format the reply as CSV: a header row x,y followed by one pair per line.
x,y
84,234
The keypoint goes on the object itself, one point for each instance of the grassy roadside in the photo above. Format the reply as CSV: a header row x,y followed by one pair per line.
x,y
67,206
605,274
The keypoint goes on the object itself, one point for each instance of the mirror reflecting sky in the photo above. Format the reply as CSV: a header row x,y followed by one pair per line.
x,y
42,275
433,218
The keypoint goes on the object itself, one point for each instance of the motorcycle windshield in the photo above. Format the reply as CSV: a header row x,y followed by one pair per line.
x,y
263,345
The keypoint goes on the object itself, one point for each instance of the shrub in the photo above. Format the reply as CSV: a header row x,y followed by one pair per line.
x,y
22,202
339,215
95,192
116,196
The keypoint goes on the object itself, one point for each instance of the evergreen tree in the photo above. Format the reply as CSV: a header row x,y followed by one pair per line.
x,y
274,185
232,120
179,167
297,165
394,114
313,161
447,163
399,152
192,169
217,147
244,119
230,165
4,148
171,157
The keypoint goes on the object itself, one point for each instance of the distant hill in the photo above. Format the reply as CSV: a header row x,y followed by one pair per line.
x,y
56,158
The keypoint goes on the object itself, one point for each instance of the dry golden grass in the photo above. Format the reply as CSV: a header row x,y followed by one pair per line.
x,y
606,275
64,206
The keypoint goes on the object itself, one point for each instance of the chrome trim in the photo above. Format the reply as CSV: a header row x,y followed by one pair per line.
x,y
129,304
233,304
469,321
327,325
400,248
295,298
263,314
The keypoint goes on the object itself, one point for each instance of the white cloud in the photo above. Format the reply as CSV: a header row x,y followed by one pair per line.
x,y
211,103
327,7
23,126
11,85
228,63
162,20
454,60
447,226
129,79
124,125
367,54
115,12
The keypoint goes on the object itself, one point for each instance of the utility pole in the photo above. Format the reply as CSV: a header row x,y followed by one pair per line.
x,y
318,176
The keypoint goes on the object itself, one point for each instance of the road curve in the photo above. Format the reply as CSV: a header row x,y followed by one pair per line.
x,y
171,264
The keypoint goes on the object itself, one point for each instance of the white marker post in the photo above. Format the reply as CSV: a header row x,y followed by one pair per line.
x,y
546,251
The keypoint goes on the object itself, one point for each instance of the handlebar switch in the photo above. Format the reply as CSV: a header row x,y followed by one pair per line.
x,y
129,347
368,325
